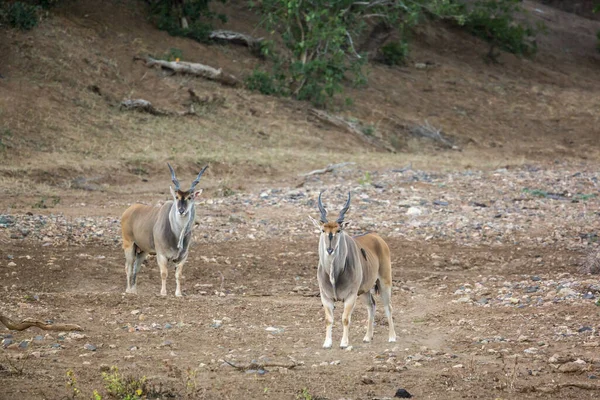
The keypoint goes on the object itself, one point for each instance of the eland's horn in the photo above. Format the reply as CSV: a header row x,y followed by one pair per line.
x,y
173,177
197,178
344,210
322,209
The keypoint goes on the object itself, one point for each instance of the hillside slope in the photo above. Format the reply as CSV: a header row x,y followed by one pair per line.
x,y
64,80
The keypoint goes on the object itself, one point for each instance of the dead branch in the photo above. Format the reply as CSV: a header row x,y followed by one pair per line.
x,y
222,282
29,322
145,106
236,38
327,169
428,131
183,67
257,365
351,127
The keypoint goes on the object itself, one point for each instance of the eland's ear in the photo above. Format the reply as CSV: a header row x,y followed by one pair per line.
x,y
172,192
315,222
197,193
345,224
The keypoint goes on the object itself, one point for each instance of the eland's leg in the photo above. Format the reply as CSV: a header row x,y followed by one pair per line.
x,y
129,259
164,272
386,296
178,272
370,303
328,307
349,304
139,260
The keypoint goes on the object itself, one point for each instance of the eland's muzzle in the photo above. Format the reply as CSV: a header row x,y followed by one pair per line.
x,y
330,251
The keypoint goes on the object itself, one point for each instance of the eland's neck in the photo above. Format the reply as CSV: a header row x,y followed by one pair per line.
x,y
181,224
334,263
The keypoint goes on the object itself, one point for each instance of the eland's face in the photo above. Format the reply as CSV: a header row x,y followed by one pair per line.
x,y
330,236
183,201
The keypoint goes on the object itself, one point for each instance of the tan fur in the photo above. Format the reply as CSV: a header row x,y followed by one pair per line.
x,y
371,255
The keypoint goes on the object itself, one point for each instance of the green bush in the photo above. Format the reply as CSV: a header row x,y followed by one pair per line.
x,y
494,22
321,58
394,53
263,82
168,16
20,15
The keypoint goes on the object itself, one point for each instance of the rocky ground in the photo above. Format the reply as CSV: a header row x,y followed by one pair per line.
x,y
490,293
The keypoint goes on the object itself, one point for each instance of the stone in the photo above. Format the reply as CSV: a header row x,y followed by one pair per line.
x,y
89,347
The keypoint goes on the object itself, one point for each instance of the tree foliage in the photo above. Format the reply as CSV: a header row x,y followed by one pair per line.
x,y
188,18
321,38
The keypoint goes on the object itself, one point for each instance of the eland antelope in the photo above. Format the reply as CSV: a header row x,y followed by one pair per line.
x,y
165,231
352,266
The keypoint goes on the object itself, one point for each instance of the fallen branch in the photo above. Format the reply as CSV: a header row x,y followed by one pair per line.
x,y
145,106
183,67
329,168
351,127
257,365
237,38
29,322
428,131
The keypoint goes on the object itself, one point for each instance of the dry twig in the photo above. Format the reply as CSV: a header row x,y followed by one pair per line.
x,y
327,169
258,365
29,322
428,131
351,127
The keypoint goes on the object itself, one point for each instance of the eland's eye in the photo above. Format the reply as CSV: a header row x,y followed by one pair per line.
x,y
323,231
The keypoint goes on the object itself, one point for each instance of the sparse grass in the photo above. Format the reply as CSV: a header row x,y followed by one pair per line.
x,y
122,387
44,202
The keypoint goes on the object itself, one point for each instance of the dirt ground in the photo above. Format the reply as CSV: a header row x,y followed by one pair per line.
x,y
490,298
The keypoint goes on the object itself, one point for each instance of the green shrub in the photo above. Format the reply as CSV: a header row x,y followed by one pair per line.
x,y
168,15
494,22
394,53
20,15
263,82
321,58
173,54
124,388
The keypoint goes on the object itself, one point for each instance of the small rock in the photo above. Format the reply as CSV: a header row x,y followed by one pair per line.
x,y
272,329
12,264
367,381
89,347
584,329
402,394
135,312
458,366
536,278
168,326
414,211
24,344
217,323
6,342
566,292
574,366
